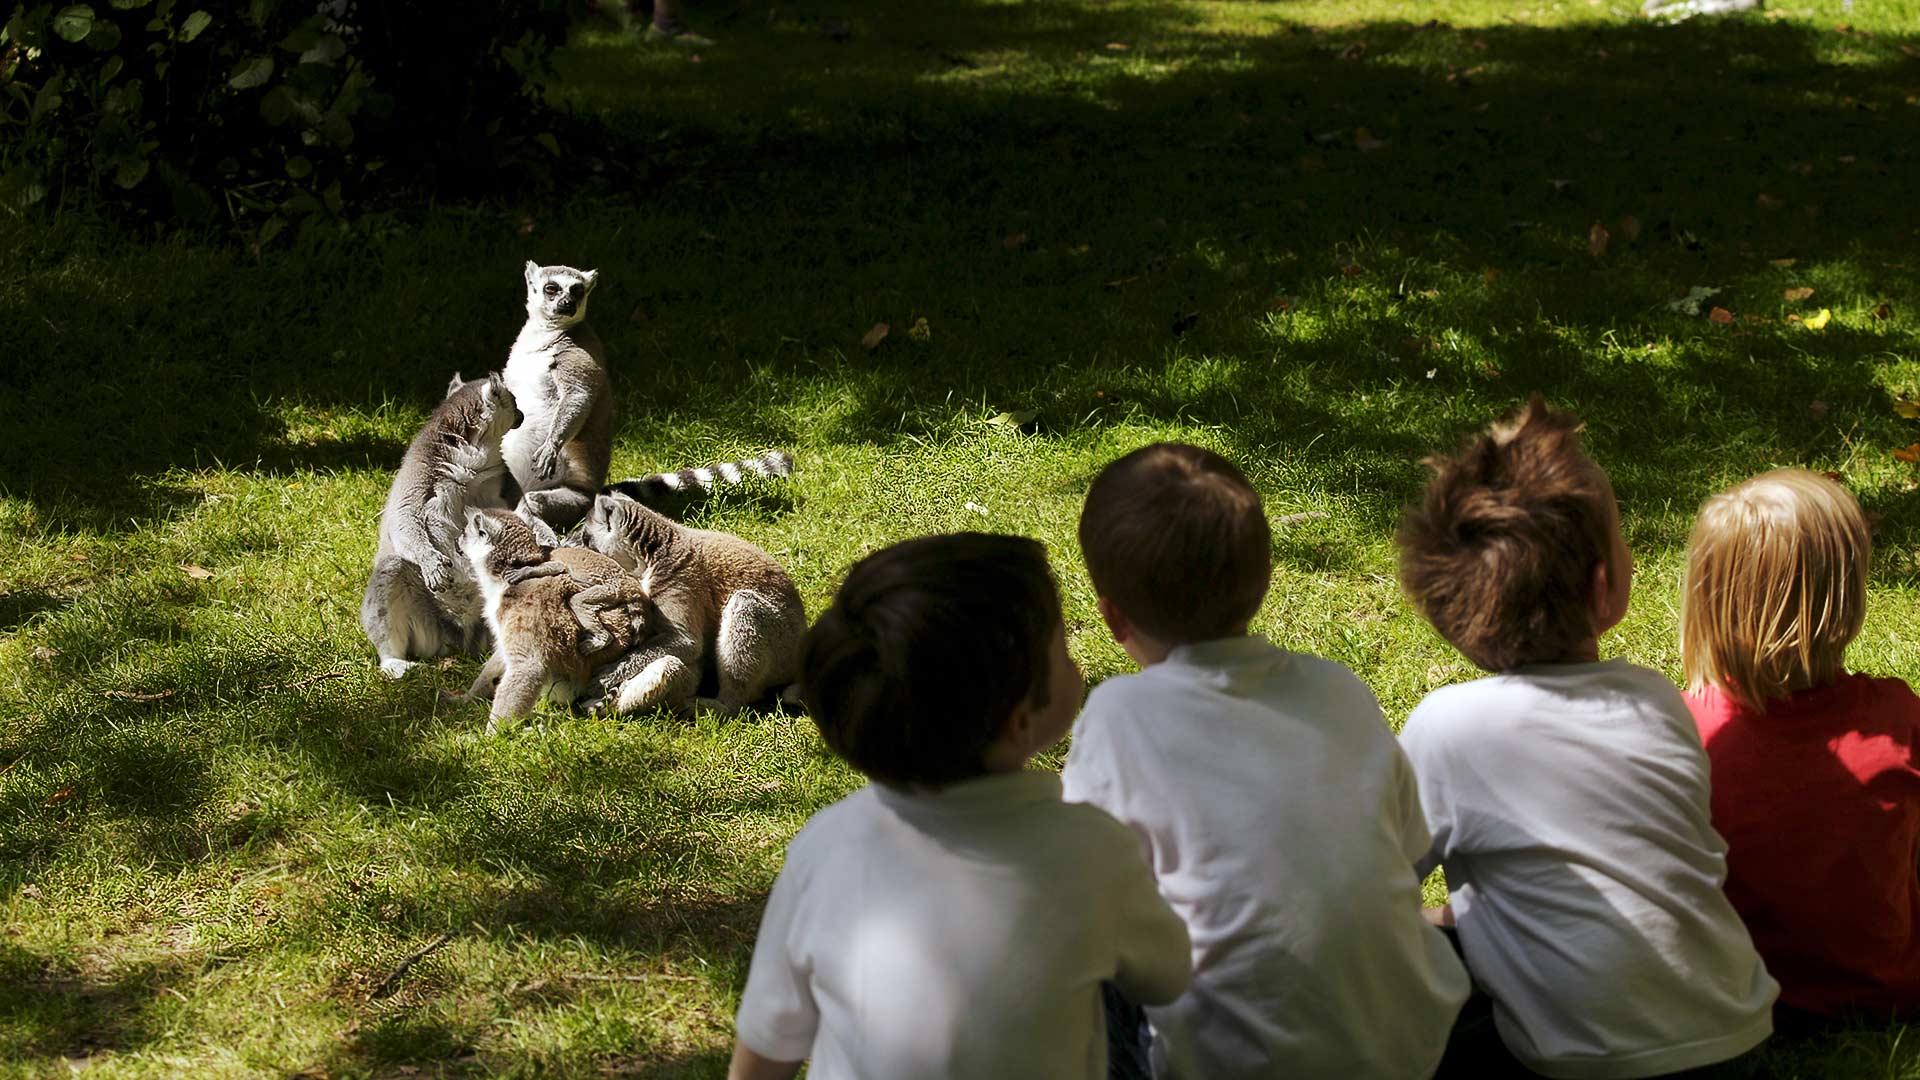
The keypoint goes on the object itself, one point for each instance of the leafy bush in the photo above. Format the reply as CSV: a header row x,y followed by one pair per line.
x,y
268,112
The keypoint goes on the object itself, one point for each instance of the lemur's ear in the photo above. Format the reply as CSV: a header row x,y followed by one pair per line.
x,y
454,386
590,277
532,272
541,530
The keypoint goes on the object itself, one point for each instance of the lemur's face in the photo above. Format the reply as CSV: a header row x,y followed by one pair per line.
x,y
558,293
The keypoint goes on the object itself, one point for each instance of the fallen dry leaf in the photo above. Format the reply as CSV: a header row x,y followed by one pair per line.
x,y
1769,202
639,314
1630,228
45,653
59,796
1117,282
1909,454
1757,320
1117,46
1818,409
1014,241
920,331
1884,311
1818,322
1364,141
1597,239
1798,293
1354,51
197,573
1907,408
1014,419
1491,275
1782,264
875,336
77,557
525,225
1353,269
1720,316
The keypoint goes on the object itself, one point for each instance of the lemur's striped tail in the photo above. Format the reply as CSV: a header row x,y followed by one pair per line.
x,y
705,478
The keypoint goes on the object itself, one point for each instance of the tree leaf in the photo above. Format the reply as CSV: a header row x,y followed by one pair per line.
x,y
196,25
74,22
251,73
1818,322
131,171
130,5
1016,419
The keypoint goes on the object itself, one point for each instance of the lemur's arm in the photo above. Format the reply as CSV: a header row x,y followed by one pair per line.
x,y
415,533
525,573
577,392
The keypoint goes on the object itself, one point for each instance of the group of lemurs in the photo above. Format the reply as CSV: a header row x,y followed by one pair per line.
x,y
501,536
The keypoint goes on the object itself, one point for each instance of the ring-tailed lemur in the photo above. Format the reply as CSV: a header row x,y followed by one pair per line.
x,y
725,608
652,489
558,374
540,617
421,601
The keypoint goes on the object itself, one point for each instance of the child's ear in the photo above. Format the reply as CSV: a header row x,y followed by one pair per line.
x,y
1116,620
1604,600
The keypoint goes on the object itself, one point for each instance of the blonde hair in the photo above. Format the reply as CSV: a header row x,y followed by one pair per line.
x,y
1776,586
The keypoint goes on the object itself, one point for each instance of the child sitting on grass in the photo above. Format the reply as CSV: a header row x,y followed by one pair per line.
x,y
1568,795
1278,811
1814,784
954,918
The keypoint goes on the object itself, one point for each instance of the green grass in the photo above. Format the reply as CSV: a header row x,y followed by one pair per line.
x,y
221,833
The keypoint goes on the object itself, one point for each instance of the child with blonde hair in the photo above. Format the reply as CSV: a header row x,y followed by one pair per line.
x,y
1814,784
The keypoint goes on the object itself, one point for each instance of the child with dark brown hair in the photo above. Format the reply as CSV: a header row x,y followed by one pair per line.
x,y
1278,811
954,918
1568,796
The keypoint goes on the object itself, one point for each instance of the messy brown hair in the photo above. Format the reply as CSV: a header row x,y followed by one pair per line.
x,y
1500,550
1776,586
1175,537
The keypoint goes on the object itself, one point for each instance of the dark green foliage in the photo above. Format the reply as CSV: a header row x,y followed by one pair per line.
x,y
264,113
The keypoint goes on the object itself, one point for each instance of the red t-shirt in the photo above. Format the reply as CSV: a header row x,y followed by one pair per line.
x,y
1818,798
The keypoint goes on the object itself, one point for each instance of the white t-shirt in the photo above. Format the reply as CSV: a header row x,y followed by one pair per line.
x,y
1569,804
962,933
1282,822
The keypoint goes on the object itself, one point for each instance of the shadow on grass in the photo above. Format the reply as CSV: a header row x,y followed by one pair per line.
x,y
51,1010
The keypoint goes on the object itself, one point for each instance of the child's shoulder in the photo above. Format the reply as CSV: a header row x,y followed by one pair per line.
x,y
1528,695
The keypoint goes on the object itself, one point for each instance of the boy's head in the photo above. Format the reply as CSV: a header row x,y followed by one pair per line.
x,y
1513,552
1176,539
1776,586
936,652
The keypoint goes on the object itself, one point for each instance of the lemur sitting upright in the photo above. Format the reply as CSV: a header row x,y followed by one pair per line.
x,y
558,374
422,601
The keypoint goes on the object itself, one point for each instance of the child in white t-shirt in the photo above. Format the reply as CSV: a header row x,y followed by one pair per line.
x,y
1277,809
1568,796
953,919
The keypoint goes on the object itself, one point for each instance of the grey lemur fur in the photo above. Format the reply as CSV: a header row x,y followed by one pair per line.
x,y
422,601
651,489
539,619
725,608
557,371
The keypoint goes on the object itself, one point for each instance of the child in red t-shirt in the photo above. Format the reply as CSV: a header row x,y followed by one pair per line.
x,y
1814,781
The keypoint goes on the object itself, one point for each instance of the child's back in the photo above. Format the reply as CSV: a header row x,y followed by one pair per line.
x,y
1568,803
1814,780
958,933
1279,814
1282,821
